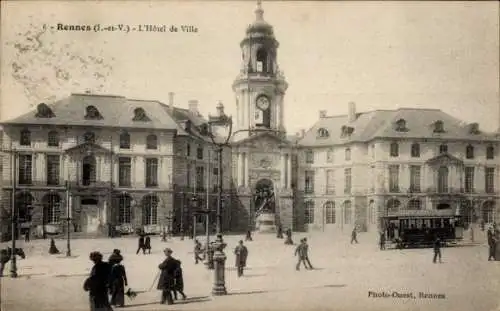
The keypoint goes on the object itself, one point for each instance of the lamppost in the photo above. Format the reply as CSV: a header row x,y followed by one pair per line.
x,y
13,263
194,207
223,122
68,218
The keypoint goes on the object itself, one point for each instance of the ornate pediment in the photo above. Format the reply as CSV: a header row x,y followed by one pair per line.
x,y
88,148
265,142
266,161
445,159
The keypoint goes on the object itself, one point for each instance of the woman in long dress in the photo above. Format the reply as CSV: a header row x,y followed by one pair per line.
x,y
118,281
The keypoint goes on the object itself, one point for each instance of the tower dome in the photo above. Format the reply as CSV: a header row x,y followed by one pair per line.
x,y
260,26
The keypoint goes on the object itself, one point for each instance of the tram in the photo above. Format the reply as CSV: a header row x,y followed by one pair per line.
x,y
421,229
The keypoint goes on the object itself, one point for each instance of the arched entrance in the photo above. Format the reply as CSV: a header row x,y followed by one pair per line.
x,y
264,205
90,215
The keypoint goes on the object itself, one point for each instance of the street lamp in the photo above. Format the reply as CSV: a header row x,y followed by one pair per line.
x,y
217,125
68,219
194,207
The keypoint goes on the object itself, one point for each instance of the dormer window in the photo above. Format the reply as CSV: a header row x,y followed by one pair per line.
x,y
91,113
25,138
469,152
400,125
474,129
204,129
323,133
44,111
346,131
140,115
438,127
89,138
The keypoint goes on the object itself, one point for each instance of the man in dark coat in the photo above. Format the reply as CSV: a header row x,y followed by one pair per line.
x,y
491,244
178,281
437,250
147,244
302,251
354,236
279,233
142,246
166,282
248,237
118,281
116,257
197,251
97,284
241,253
382,240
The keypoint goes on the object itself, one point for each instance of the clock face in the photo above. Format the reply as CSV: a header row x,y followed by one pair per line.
x,y
263,103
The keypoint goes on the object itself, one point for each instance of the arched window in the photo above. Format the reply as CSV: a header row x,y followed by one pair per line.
x,y
347,212
151,142
53,139
323,133
401,125
52,208
309,212
150,210
415,150
414,204
261,61
24,206
89,138
124,140
393,205
330,212
394,149
88,170
348,154
124,209
469,152
443,179
490,152
25,138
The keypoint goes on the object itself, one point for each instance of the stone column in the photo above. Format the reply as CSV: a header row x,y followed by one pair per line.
x,y
240,169
132,173
283,171
289,171
246,173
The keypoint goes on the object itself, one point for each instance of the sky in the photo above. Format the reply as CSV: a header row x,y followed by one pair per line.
x,y
380,55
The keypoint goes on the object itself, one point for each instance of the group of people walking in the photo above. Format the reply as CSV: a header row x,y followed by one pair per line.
x,y
170,280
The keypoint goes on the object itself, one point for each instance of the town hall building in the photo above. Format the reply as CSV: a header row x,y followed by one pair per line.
x,y
110,161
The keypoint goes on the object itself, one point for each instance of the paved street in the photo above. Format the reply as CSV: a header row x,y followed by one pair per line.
x,y
345,274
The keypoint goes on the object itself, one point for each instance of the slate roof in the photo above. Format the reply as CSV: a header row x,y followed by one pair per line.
x,y
381,124
117,111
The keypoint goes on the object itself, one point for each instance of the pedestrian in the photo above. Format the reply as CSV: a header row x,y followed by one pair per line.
x,y
241,253
279,233
354,236
492,241
288,240
197,251
141,244
302,252
178,281
117,280
382,240
53,249
97,284
147,244
115,257
27,235
249,236
437,249
166,282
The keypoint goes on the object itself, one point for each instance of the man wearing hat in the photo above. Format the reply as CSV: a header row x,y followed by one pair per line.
x,y
241,253
116,257
97,284
166,282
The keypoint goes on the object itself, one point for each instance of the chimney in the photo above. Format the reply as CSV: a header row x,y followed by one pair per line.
x,y
193,106
322,113
351,111
171,99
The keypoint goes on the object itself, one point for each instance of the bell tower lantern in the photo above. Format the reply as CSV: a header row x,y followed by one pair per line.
x,y
260,86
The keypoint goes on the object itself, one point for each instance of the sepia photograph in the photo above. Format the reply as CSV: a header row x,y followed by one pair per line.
x,y
249,155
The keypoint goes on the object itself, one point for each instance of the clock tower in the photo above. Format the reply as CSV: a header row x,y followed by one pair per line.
x,y
260,86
